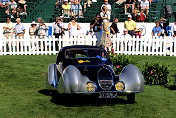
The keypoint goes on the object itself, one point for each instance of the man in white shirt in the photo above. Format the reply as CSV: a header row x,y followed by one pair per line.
x,y
19,29
107,5
125,34
145,5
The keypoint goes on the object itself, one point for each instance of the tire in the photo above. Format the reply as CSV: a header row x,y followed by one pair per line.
x,y
131,98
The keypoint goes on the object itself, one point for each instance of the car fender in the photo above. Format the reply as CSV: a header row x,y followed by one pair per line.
x,y
73,80
132,78
52,78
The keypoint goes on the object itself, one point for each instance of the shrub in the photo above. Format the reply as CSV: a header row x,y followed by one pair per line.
x,y
155,74
120,61
175,79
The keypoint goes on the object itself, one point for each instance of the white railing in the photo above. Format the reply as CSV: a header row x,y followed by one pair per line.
x,y
145,46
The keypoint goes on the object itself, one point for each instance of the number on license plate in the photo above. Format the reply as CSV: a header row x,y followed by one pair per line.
x,y
107,95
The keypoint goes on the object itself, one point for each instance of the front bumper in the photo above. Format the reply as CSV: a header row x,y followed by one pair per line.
x,y
119,92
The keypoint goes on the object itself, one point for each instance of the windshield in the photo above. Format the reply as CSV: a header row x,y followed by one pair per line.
x,y
85,53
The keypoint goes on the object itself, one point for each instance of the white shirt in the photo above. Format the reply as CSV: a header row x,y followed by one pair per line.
x,y
19,28
13,4
94,0
107,5
144,4
127,36
73,30
174,27
58,29
108,14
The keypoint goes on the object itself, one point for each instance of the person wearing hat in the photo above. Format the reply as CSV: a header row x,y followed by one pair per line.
x,y
130,25
21,8
32,29
41,29
66,7
39,19
137,33
19,29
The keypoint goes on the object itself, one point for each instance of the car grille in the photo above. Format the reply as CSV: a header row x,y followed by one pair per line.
x,y
105,78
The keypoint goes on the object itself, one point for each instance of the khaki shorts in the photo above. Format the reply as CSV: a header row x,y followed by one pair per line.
x,y
19,36
8,35
106,26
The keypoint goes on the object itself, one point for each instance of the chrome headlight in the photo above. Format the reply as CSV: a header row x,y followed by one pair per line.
x,y
120,86
91,86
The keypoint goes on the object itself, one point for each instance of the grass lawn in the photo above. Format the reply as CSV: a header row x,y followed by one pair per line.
x,y
23,94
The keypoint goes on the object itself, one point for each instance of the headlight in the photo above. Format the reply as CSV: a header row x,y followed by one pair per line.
x,y
120,86
91,86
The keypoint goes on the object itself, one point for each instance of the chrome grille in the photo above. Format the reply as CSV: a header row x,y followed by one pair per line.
x,y
105,78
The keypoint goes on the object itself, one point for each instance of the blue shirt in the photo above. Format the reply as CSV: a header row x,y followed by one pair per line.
x,y
19,28
156,30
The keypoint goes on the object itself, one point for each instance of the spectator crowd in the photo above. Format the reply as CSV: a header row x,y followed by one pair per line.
x,y
13,8
100,25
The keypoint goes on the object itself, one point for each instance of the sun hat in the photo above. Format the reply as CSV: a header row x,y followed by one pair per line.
x,y
22,1
125,29
129,16
18,19
33,23
39,18
42,21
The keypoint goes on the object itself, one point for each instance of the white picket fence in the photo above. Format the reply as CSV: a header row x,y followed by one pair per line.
x,y
144,46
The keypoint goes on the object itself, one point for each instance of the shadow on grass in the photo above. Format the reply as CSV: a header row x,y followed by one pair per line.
x,y
80,100
171,87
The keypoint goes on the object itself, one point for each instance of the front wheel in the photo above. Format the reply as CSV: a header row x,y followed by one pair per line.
x,y
131,98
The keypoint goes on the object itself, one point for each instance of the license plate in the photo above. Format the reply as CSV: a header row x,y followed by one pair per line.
x,y
107,95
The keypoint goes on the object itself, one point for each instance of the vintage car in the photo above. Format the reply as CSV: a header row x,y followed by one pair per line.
x,y
89,70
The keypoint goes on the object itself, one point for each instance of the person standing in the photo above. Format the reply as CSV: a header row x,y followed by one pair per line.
x,y
58,30
156,31
163,24
66,9
76,7
174,28
73,26
42,28
114,27
19,29
32,29
8,29
130,25
105,15
107,5
96,26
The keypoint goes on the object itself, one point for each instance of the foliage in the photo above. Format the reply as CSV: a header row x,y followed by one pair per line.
x,y
120,61
155,74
